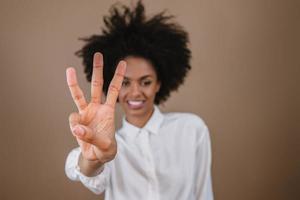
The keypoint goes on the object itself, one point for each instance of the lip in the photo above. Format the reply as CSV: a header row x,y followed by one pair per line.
x,y
136,106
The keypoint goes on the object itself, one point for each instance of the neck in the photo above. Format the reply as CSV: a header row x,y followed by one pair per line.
x,y
140,121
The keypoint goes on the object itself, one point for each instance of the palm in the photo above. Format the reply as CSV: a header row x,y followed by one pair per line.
x,y
100,118
97,118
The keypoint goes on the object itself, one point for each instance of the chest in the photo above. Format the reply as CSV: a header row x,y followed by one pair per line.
x,y
166,159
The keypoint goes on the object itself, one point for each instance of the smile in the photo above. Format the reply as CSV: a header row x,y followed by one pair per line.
x,y
137,104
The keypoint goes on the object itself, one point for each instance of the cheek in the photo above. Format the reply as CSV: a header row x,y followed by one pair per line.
x,y
122,95
151,92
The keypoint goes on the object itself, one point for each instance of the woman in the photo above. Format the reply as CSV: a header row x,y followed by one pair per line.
x,y
154,155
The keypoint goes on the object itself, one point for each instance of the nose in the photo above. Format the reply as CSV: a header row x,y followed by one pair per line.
x,y
135,90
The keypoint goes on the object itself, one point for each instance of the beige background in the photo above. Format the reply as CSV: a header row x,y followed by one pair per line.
x,y
244,84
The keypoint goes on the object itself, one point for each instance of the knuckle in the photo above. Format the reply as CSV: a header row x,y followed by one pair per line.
x,y
98,65
95,99
82,106
88,138
106,145
73,116
73,85
119,75
114,89
78,97
97,83
110,105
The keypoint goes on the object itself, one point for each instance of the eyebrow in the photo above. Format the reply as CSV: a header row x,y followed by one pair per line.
x,y
141,78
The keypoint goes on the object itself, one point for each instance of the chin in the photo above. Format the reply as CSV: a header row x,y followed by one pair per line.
x,y
136,112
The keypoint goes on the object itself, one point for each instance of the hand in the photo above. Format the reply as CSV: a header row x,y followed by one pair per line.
x,y
94,125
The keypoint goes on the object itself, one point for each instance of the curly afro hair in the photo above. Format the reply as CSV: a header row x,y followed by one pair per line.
x,y
128,33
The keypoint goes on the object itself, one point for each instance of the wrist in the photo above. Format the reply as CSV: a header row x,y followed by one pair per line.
x,y
89,167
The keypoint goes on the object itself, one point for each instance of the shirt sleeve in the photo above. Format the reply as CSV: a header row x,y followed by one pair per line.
x,y
203,181
96,184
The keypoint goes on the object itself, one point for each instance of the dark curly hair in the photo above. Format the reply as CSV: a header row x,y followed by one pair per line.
x,y
128,33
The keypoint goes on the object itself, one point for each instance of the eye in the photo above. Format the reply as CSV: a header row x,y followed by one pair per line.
x,y
125,83
146,83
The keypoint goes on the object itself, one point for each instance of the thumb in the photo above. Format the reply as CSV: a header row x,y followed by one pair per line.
x,y
83,132
86,134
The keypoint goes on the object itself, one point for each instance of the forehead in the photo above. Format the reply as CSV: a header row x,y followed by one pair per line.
x,y
138,67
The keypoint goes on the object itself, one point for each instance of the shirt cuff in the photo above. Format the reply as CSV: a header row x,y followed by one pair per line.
x,y
97,183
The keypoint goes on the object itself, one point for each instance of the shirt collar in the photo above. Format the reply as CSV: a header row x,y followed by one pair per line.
x,y
151,126
155,121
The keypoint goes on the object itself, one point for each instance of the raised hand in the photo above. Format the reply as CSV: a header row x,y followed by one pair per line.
x,y
94,124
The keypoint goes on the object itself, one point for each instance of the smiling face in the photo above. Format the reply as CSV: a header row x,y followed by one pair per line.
x,y
138,91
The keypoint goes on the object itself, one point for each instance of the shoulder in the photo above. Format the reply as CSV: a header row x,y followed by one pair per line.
x,y
185,120
187,127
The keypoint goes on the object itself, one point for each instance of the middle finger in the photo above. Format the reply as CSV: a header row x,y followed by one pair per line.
x,y
97,78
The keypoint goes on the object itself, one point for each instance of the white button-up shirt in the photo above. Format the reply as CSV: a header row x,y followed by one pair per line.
x,y
168,159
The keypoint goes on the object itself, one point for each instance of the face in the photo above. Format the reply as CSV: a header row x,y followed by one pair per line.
x,y
139,88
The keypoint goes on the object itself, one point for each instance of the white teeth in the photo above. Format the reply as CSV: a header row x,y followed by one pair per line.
x,y
135,103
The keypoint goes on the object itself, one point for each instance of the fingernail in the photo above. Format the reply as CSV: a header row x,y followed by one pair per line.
x,y
78,131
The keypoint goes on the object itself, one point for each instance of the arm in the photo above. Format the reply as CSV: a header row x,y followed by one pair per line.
x,y
203,183
96,183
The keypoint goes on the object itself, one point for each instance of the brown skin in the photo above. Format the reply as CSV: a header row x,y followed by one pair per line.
x,y
94,125
140,83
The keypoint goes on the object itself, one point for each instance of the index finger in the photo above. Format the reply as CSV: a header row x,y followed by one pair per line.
x,y
116,84
75,90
